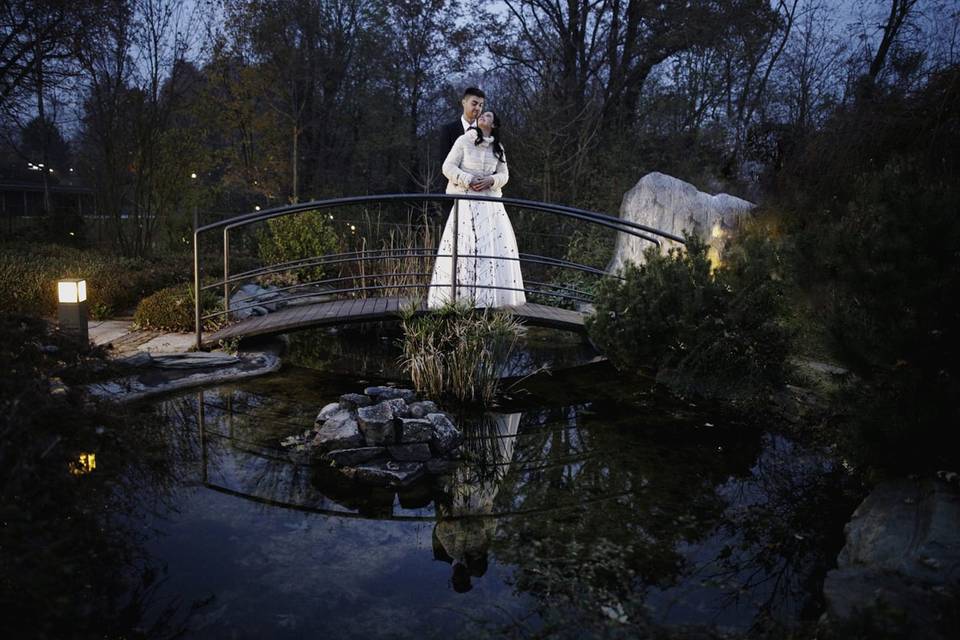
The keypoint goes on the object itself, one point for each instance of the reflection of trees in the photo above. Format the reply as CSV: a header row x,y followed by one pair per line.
x,y
606,519
234,444
368,348
781,531
607,509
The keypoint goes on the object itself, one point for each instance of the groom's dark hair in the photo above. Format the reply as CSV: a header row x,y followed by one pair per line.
x,y
473,91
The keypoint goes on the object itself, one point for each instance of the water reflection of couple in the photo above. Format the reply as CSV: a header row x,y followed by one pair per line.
x,y
488,269
465,524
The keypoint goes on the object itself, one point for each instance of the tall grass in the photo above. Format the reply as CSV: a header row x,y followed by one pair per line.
x,y
457,351
398,271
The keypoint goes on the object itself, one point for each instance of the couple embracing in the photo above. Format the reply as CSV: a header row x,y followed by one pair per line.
x,y
488,266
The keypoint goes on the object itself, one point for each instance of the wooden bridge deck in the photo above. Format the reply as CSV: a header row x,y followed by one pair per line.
x,y
336,312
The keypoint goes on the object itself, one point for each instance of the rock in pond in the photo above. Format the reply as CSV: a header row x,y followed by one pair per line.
x,y
352,457
377,424
445,435
354,400
327,411
388,474
900,567
413,430
399,407
338,434
419,452
389,393
422,408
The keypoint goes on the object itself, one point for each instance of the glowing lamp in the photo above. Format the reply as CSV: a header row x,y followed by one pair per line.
x,y
72,290
84,464
72,308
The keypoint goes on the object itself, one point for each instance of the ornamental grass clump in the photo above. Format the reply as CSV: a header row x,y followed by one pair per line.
x,y
458,351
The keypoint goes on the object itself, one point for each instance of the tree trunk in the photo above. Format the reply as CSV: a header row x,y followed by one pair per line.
x,y
294,197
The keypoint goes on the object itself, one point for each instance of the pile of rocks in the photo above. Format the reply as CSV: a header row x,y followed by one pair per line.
x,y
382,437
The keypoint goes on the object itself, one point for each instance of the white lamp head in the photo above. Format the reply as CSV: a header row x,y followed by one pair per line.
x,y
72,290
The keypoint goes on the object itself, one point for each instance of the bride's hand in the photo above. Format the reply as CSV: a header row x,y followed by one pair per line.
x,y
481,184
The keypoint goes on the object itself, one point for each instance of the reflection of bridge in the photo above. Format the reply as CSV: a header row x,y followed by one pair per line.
x,y
361,296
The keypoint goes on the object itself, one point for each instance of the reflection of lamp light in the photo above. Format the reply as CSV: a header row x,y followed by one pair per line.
x,y
72,308
84,464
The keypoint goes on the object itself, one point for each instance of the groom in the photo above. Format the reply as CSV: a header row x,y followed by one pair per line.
x,y
472,103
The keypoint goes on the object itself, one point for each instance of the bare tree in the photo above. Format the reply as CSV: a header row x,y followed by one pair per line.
x,y
134,67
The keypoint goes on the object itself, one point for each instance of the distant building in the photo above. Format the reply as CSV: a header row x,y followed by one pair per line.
x,y
21,203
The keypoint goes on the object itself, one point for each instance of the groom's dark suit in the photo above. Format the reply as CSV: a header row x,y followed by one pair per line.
x,y
448,135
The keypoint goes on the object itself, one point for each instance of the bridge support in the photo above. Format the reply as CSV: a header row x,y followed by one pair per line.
x,y
454,253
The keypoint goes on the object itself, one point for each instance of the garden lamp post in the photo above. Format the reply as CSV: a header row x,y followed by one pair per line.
x,y
72,308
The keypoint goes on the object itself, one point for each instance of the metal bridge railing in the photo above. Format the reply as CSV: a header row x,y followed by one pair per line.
x,y
647,233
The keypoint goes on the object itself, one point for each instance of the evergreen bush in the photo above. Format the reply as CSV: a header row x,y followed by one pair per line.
x,y
719,333
296,237
172,309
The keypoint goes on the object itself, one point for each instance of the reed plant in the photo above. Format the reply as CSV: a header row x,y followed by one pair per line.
x,y
457,351
403,266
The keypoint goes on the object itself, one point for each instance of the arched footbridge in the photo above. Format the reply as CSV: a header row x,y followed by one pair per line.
x,y
376,284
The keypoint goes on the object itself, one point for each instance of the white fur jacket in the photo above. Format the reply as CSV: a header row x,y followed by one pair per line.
x,y
468,160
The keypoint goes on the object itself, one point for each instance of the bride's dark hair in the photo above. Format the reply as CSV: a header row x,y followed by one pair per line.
x,y
495,132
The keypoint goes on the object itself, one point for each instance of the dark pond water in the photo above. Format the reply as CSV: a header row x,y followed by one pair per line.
x,y
586,507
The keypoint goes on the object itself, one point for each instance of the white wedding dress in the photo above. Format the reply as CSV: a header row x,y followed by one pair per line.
x,y
488,269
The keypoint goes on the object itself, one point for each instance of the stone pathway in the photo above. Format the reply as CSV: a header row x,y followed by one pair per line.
x,y
127,340
158,362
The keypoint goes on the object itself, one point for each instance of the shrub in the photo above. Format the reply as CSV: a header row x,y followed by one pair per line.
x,y
874,202
296,237
28,276
591,247
717,333
457,350
172,309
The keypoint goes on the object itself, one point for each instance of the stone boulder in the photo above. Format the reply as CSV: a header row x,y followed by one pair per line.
x,y
327,411
377,424
422,408
338,434
415,430
419,452
900,567
378,443
353,457
267,299
445,436
672,205
389,393
354,400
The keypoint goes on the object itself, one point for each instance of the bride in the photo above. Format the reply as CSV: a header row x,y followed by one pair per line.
x,y
488,269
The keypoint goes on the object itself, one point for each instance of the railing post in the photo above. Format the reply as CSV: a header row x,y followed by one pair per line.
x,y
226,272
196,281
453,261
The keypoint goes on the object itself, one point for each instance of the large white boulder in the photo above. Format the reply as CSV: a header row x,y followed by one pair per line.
x,y
669,204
